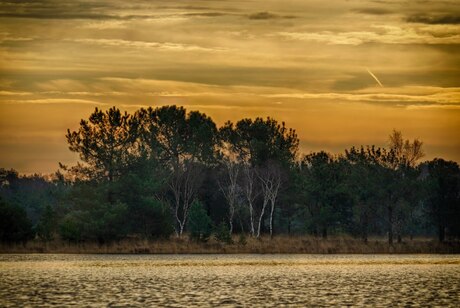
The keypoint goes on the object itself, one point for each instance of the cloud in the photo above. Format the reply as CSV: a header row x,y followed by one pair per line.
x,y
434,19
207,14
106,24
15,93
143,44
382,34
8,37
442,98
48,101
268,15
373,11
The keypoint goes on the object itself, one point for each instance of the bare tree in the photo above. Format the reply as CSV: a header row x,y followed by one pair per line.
x,y
184,184
270,180
406,152
250,193
230,188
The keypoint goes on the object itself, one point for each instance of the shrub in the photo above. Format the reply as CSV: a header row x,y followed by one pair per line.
x,y
222,233
72,227
14,225
199,223
46,226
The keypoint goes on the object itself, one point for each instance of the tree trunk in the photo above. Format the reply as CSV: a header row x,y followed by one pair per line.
x,y
364,229
230,230
261,220
181,230
390,225
230,218
271,218
251,217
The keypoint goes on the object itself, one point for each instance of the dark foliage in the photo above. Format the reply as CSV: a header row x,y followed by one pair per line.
x,y
142,175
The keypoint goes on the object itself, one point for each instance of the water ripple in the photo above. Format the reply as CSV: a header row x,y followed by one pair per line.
x,y
229,280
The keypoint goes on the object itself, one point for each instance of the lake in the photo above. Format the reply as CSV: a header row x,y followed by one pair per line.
x,y
229,280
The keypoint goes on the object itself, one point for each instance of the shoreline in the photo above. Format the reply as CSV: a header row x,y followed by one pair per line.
x,y
264,245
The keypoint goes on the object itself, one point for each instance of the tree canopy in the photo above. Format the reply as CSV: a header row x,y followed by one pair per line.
x,y
164,170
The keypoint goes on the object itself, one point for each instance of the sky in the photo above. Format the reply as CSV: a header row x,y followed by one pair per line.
x,y
341,73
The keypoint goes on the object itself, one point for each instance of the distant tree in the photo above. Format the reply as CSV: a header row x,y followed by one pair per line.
x,y
106,143
444,196
183,143
142,189
257,144
15,227
230,188
47,224
32,192
364,185
73,226
405,152
172,135
400,179
324,192
184,185
270,179
200,224
250,192
258,141
91,217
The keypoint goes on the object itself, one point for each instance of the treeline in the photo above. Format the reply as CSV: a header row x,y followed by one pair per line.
x,y
160,172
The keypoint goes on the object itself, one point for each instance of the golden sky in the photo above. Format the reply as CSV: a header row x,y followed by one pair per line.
x,y
341,72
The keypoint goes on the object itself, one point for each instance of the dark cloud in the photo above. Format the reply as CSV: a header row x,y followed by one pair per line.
x,y
199,8
59,15
434,19
268,15
51,9
207,14
373,11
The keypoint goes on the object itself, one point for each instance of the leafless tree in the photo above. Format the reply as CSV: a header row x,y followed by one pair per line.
x,y
184,184
250,193
406,152
230,188
270,181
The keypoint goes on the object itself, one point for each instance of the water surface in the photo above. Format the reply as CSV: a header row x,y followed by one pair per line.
x,y
229,280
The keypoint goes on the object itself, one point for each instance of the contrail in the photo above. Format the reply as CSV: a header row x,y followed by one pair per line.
x,y
375,77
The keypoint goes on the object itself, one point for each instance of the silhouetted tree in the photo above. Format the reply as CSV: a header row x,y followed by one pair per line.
x,y
14,225
105,142
444,196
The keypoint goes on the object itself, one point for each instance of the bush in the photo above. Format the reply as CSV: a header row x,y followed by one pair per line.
x,y
242,240
151,218
108,223
47,224
72,227
222,233
199,223
14,225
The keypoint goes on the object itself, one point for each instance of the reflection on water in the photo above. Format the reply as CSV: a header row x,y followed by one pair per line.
x,y
229,280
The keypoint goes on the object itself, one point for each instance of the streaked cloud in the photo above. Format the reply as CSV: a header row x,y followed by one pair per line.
x,y
48,101
144,44
268,15
434,19
373,11
384,34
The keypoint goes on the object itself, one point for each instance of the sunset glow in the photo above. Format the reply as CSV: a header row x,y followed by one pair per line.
x,y
341,73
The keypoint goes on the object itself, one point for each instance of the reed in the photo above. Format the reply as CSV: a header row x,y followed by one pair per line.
x,y
263,245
